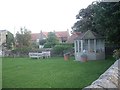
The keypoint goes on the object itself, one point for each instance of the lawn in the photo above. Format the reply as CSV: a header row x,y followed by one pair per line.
x,y
51,73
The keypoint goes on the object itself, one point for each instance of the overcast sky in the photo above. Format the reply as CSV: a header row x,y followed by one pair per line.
x,y
37,15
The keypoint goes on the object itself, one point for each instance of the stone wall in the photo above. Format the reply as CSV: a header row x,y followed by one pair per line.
x,y
109,80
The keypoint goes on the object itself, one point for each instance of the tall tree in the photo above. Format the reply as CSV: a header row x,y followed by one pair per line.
x,y
85,19
101,17
51,40
23,38
9,40
109,20
42,42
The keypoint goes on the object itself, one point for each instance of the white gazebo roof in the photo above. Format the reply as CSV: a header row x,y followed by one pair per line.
x,y
89,35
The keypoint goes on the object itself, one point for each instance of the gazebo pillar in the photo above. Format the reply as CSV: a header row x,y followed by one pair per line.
x,y
78,45
88,45
75,46
95,45
81,45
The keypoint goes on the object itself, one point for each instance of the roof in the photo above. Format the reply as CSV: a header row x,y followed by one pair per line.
x,y
62,34
59,34
89,35
35,36
45,33
73,37
2,30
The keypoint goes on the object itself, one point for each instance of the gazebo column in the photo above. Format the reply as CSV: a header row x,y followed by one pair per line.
x,y
89,45
78,45
95,45
81,45
75,46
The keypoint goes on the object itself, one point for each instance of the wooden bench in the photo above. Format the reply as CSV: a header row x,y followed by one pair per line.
x,y
44,54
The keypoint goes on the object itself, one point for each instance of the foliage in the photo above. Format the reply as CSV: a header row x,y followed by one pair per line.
x,y
101,17
51,73
60,49
51,40
42,42
23,38
47,45
116,54
34,45
23,50
23,41
9,40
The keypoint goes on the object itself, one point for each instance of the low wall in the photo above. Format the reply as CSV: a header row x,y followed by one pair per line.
x,y
108,80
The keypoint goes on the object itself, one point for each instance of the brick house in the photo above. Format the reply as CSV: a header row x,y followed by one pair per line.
x,y
73,36
61,35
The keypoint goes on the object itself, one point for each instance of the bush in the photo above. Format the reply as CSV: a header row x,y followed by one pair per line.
x,y
21,52
61,49
47,45
116,53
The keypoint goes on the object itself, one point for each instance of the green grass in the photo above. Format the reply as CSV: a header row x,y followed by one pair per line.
x,y
51,73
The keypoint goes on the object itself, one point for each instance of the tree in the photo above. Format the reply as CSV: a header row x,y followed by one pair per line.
x,y
101,17
85,19
51,40
23,39
110,16
9,40
42,42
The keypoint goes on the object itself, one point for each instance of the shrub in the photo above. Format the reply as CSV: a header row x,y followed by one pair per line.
x,y
116,53
22,52
61,49
47,45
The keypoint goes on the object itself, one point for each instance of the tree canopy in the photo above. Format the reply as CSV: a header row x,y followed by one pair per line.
x,y
51,40
9,40
101,17
23,38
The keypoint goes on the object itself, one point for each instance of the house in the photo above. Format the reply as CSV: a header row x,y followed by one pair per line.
x,y
3,34
61,35
73,36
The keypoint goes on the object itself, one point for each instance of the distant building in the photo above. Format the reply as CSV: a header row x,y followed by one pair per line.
x,y
39,36
3,34
73,36
61,35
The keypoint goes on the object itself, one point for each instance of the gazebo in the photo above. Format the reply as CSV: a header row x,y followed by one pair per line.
x,y
90,45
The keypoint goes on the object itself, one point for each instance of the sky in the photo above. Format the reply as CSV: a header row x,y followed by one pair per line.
x,y
37,15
